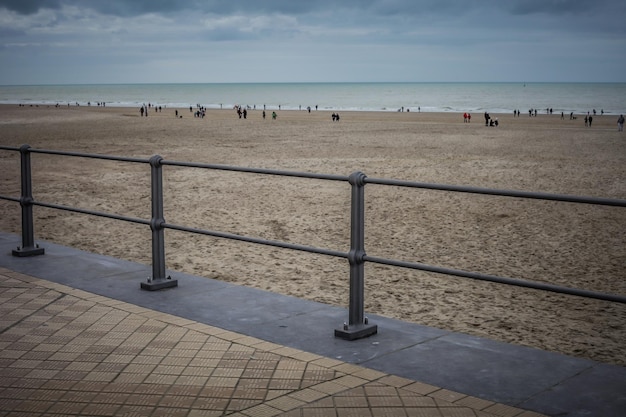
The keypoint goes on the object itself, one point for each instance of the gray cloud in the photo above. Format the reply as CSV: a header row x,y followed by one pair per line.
x,y
558,7
372,39
372,8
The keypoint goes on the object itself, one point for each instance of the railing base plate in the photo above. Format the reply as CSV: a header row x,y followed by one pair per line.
x,y
159,284
22,252
356,331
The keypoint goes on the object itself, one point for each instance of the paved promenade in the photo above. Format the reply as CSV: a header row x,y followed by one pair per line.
x,y
79,337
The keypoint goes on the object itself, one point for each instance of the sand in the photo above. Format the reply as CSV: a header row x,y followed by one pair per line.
x,y
582,246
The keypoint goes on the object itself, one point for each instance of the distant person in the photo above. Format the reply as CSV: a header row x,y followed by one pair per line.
x,y
273,115
620,123
487,117
263,114
590,120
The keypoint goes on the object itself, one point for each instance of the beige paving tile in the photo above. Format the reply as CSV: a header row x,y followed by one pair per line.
x,y
502,410
475,403
66,351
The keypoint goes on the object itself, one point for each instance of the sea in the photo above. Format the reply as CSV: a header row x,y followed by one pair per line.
x,y
473,97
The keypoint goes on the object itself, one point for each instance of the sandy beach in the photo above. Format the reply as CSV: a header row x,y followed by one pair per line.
x,y
574,245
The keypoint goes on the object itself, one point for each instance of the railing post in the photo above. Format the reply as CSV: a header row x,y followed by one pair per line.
x,y
158,280
29,248
358,326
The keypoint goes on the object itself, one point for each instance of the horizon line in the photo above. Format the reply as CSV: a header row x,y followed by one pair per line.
x,y
314,82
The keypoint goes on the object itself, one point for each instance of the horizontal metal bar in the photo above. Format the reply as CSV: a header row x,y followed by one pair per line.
x,y
6,197
383,261
9,148
501,280
92,212
257,170
248,239
92,156
503,193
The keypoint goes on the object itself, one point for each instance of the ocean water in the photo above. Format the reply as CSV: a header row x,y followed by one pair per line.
x,y
425,97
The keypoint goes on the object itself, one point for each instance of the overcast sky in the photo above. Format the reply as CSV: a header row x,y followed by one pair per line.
x,y
146,41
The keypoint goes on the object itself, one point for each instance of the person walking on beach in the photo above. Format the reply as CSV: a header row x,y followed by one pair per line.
x,y
620,123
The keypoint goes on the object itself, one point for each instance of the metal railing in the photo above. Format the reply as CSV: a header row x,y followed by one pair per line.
x,y
357,325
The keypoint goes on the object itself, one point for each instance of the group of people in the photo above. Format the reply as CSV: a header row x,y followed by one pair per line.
x,y
242,111
274,115
143,110
489,121
200,112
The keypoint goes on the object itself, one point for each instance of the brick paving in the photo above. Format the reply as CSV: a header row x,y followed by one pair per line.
x,y
69,352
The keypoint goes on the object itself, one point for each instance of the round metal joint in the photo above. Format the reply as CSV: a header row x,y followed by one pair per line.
x,y
155,161
357,178
355,257
157,224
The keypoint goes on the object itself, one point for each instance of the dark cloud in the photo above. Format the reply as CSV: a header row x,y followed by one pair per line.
x,y
135,7
28,6
560,7
379,7
379,37
114,7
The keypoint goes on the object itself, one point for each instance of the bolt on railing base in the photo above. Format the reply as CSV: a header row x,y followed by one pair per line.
x,y
356,331
30,251
159,284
